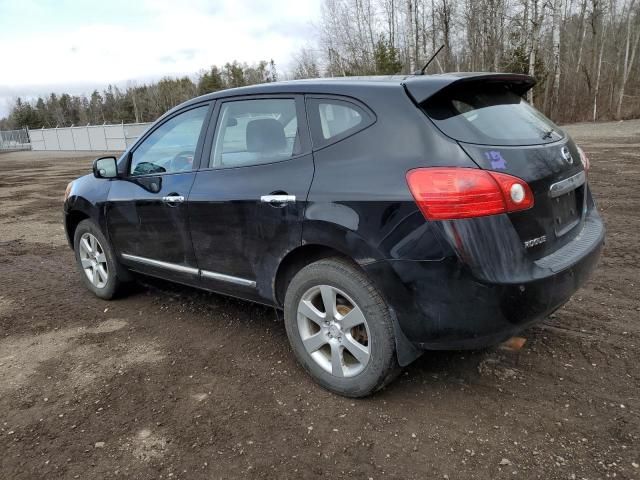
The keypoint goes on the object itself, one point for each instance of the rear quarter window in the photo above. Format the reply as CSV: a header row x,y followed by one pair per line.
x,y
490,116
332,119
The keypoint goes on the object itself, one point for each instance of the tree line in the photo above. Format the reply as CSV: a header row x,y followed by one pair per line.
x,y
583,53
135,103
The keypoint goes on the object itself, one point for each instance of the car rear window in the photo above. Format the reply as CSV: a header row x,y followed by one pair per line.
x,y
490,116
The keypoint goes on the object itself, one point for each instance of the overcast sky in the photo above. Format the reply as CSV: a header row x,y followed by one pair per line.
x,y
75,46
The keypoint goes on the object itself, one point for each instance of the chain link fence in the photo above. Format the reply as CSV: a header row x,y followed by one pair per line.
x,y
14,139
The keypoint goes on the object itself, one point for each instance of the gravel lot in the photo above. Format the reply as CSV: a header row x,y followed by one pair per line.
x,y
170,382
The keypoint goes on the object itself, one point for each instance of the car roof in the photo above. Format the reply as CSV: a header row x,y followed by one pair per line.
x,y
423,85
316,85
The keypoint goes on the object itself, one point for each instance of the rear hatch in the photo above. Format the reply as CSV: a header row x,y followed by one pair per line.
x,y
501,132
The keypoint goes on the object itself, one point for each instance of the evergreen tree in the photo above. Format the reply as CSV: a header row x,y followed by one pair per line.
x,y
210,81
386,58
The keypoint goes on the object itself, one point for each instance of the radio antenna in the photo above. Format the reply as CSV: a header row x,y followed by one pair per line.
x,y
430,60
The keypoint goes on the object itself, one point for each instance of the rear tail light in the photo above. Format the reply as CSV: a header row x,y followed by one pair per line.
x,y
584,159
451,193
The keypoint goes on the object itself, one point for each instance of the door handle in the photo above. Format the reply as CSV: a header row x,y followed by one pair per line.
x,y
173,199
278,200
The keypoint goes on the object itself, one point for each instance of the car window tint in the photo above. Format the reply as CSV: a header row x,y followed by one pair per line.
x,y
490,116
171,147
337,118
332,119
251,132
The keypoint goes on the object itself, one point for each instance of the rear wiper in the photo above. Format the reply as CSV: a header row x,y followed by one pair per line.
x,y
548,134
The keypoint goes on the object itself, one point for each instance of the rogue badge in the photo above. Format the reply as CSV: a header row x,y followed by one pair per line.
x,y
535,241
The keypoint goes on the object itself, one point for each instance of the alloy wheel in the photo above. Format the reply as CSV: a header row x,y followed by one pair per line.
x,y
334,331
93,260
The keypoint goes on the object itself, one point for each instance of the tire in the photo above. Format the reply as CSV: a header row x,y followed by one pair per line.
x,y
352,351
97,255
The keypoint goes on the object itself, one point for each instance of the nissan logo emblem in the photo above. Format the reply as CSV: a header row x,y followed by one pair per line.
x,y
566,154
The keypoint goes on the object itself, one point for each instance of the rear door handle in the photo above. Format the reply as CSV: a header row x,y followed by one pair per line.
x,y
278,200
173,199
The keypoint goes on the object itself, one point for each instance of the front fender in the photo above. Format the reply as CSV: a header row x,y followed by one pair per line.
x,y
87,198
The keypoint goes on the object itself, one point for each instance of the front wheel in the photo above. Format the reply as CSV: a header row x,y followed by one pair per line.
x,y
340,328
99,269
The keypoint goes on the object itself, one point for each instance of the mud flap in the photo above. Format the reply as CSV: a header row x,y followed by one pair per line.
x,y
406,351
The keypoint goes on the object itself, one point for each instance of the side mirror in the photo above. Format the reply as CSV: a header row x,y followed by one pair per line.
x,y
105,167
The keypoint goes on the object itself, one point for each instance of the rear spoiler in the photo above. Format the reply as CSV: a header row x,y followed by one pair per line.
x,y
422,87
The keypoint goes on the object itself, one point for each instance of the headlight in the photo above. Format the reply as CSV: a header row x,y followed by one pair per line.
x,y
67,191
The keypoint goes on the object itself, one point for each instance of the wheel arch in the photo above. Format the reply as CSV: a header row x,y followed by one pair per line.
x,y
306,254
71,222
297,259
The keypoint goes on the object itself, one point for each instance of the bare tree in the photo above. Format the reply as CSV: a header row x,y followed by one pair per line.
x,y
582,52
596,90
632,40
409,29
537,13
555,81
305,64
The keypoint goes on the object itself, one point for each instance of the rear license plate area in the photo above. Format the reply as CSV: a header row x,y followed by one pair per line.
x,y
566,213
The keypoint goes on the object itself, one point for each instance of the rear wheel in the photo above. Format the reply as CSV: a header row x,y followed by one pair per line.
x,y
340,328
99,269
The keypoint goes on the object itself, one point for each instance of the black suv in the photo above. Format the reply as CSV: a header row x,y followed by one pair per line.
x,y
385,216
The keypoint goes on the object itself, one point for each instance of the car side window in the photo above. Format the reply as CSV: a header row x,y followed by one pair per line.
x,y
171,147
333,119
252,132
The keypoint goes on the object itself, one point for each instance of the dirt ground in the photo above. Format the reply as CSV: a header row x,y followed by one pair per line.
x,y
170,382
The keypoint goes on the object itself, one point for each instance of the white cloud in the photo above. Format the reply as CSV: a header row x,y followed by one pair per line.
x,y
155,38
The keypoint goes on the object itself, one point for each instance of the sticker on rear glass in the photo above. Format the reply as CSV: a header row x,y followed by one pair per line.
x,y
497,162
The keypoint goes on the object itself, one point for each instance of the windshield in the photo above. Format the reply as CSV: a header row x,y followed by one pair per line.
x,y
491,116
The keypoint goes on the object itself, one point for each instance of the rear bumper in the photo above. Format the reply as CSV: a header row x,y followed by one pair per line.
x,y
444,305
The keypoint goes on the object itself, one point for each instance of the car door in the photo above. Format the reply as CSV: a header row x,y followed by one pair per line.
x,y
146,210
247,202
